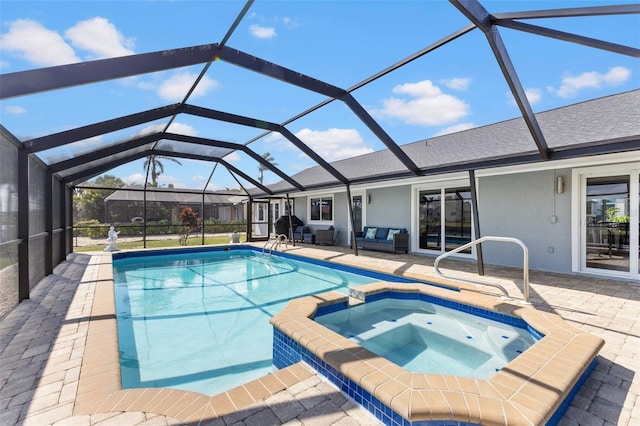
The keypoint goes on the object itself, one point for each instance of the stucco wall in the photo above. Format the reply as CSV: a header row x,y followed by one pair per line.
x,y
300,208
340,218
389,207
526,206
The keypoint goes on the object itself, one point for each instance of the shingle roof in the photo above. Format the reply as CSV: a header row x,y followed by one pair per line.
x,y
591,123
169,195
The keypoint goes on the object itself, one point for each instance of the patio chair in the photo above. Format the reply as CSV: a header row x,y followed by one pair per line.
x,y
326,237
304,234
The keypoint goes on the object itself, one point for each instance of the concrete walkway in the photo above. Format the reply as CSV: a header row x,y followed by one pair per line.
x,y
42,344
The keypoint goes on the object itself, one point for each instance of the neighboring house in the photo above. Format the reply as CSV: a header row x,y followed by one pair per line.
x,y
165,204
578,214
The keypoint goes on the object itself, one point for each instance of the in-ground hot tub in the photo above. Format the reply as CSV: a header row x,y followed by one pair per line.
x,y
535,388
426,337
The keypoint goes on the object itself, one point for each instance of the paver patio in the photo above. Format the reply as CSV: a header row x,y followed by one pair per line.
x,y
45,343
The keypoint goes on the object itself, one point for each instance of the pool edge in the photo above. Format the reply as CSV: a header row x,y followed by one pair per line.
x,y
100,387
526,391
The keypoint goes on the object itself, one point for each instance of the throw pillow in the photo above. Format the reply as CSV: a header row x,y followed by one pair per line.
x,y
391,233
371,233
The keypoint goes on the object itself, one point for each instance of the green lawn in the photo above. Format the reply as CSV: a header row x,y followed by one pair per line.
x,y
172,242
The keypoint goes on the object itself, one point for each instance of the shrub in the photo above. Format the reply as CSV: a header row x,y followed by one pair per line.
x,y
90,228
190,222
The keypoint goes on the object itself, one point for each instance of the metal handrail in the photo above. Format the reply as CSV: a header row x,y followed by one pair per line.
x,y
275,242
525,265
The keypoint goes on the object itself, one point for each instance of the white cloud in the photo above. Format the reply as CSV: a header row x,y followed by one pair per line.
x,y
176,86
234,157
182,129
165,180
136,178
277,142
14,109
101,38
262,32
214,186
455,128
290,22
533,95
428,106
273,136
457,83
572,85
334,144
178,128
36,44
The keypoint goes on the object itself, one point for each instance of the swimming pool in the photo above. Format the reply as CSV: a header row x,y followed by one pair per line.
x,y
425,337
199,319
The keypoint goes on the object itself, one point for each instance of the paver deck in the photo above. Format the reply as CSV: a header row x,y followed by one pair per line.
x,y
57,360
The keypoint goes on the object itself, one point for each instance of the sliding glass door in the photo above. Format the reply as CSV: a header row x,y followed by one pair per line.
x,y
610,222
444,218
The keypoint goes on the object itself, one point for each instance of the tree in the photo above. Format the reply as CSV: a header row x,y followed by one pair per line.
x,y
190,222
157,168
261,168
89,203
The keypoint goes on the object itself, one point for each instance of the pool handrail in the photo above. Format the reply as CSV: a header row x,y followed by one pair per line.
x,y
525,265
275,241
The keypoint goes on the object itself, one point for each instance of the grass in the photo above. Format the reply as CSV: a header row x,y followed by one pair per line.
x,y
172,242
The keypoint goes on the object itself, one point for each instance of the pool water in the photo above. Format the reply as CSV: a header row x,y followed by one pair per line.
x,y
199,321
424,337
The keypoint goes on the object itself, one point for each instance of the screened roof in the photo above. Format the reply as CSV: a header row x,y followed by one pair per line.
x,y
334,92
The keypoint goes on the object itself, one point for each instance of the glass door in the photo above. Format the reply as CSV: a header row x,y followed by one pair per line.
x,y
444,218
260,220
357,207
607,219
610,222
457,213
275,214
429,220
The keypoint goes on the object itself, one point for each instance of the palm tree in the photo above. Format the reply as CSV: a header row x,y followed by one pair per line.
x,y
157,168
261,168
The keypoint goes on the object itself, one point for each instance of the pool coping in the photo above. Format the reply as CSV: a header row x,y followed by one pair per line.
x,y
100,386
528,390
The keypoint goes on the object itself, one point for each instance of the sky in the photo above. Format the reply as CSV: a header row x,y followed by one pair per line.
x,y
453,88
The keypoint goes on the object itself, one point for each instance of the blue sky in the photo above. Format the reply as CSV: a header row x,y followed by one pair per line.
x,y
456,87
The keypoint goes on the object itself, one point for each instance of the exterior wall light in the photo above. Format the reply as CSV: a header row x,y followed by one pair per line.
x,y
559,185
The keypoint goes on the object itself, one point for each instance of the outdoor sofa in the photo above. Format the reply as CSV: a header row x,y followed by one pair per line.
x,y
383,239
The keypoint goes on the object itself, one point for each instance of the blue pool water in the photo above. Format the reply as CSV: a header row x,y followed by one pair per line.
x,y
429,338
199,320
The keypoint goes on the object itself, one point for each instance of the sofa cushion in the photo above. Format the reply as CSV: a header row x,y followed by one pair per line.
x,y
391,233
370,233
381,233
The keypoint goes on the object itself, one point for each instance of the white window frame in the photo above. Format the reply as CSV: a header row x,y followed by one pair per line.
x,y
321,221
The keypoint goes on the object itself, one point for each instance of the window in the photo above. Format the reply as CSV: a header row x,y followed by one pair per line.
x,y
321,209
